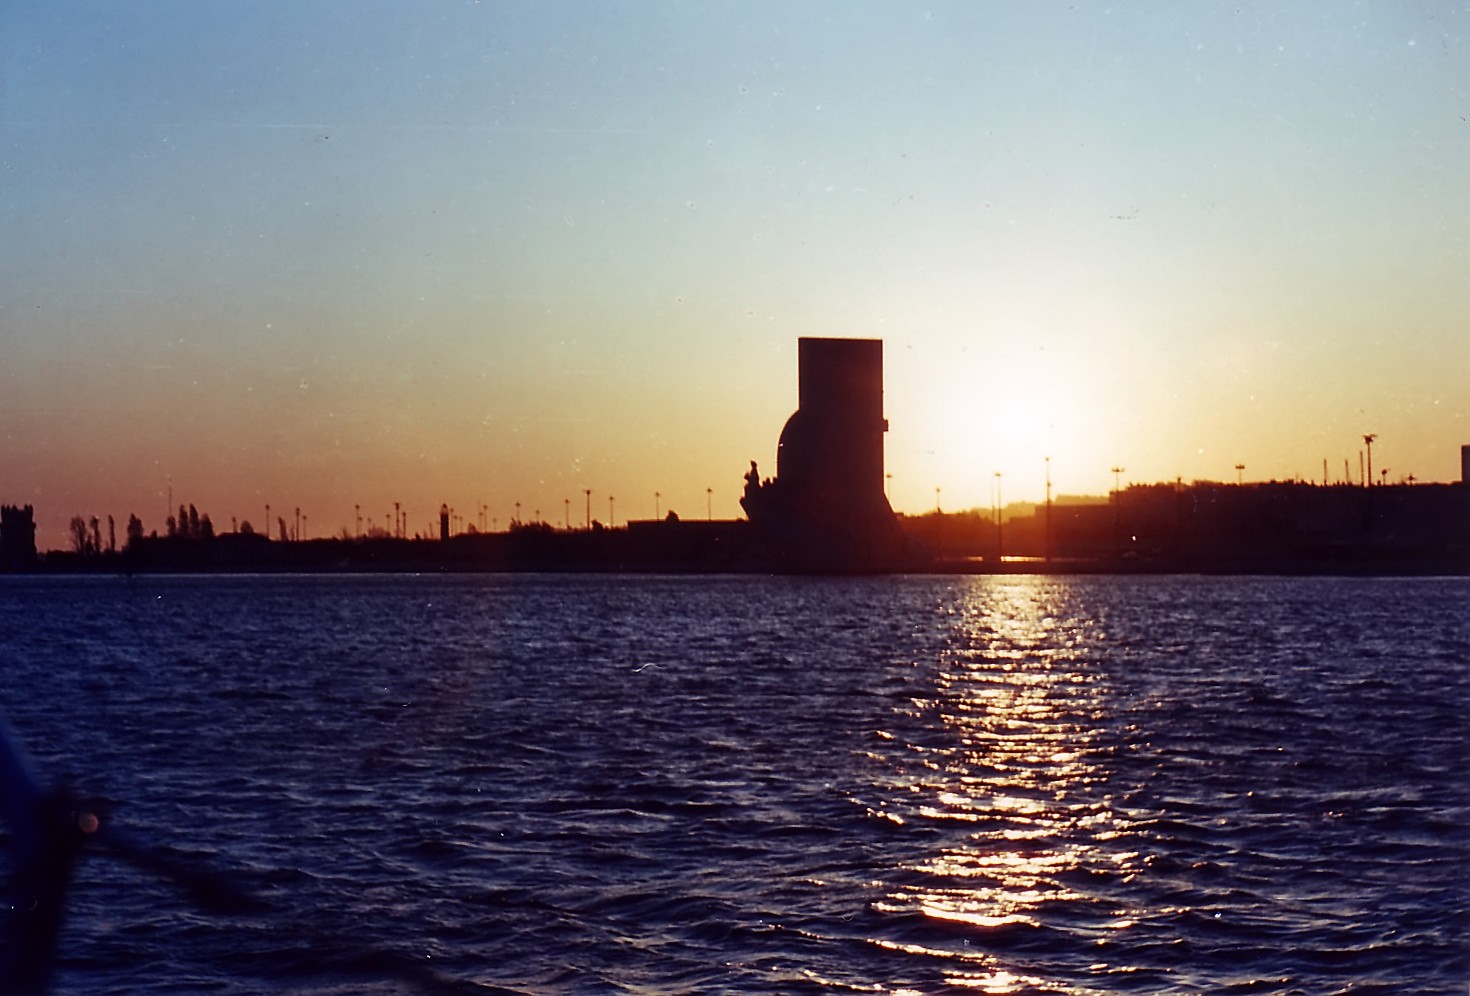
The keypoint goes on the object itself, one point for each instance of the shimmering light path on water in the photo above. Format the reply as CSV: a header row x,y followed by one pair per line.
x,y
590,784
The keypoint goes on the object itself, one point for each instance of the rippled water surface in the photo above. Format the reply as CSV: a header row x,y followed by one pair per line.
x,y
639,784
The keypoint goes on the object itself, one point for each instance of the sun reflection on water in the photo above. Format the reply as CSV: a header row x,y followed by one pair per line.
x,y
1006,761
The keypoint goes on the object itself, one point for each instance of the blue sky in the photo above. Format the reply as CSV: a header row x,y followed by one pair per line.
x,y
326,254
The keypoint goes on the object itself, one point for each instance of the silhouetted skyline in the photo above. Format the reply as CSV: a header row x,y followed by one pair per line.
x,y
361,260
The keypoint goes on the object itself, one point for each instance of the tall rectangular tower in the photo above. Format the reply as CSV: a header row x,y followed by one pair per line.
x,y
834,442
826,508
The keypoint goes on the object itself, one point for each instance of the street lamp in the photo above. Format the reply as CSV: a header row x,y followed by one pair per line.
x,y
999,512
588,493
1239,469
709,504
656,497
1047,544
1368,438
1118,505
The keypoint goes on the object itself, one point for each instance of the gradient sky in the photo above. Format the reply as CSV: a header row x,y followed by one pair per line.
x,y
320,254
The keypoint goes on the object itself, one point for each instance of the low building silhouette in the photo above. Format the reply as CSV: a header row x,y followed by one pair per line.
x,y
17,538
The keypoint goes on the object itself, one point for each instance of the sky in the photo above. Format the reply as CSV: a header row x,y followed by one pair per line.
x,y
327,255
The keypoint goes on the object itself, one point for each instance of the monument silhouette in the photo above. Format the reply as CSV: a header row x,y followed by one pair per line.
x,y
825,509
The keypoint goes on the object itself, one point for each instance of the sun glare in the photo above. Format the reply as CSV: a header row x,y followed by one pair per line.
x,y
957,439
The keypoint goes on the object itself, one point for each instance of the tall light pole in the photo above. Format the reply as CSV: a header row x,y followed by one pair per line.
x,y
709,504
656,497
1368,438
588,493
1239,470
267,521
566,514
1118,505
999,514
1047,544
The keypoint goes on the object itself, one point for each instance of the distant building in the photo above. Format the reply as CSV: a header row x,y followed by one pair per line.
x,y
17,538
825,509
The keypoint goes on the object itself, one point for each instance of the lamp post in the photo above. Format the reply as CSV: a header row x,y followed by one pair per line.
x,y
709,504
611,516
1118,507
1047,543
1368,438
1239,470
566,511
588,493
999,513
656,497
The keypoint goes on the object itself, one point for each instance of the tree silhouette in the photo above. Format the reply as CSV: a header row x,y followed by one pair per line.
x,y
79,539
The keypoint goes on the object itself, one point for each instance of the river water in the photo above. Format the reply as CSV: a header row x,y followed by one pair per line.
x,y
568,784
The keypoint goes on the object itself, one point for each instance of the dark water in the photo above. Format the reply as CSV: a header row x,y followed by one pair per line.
x,y
650,785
